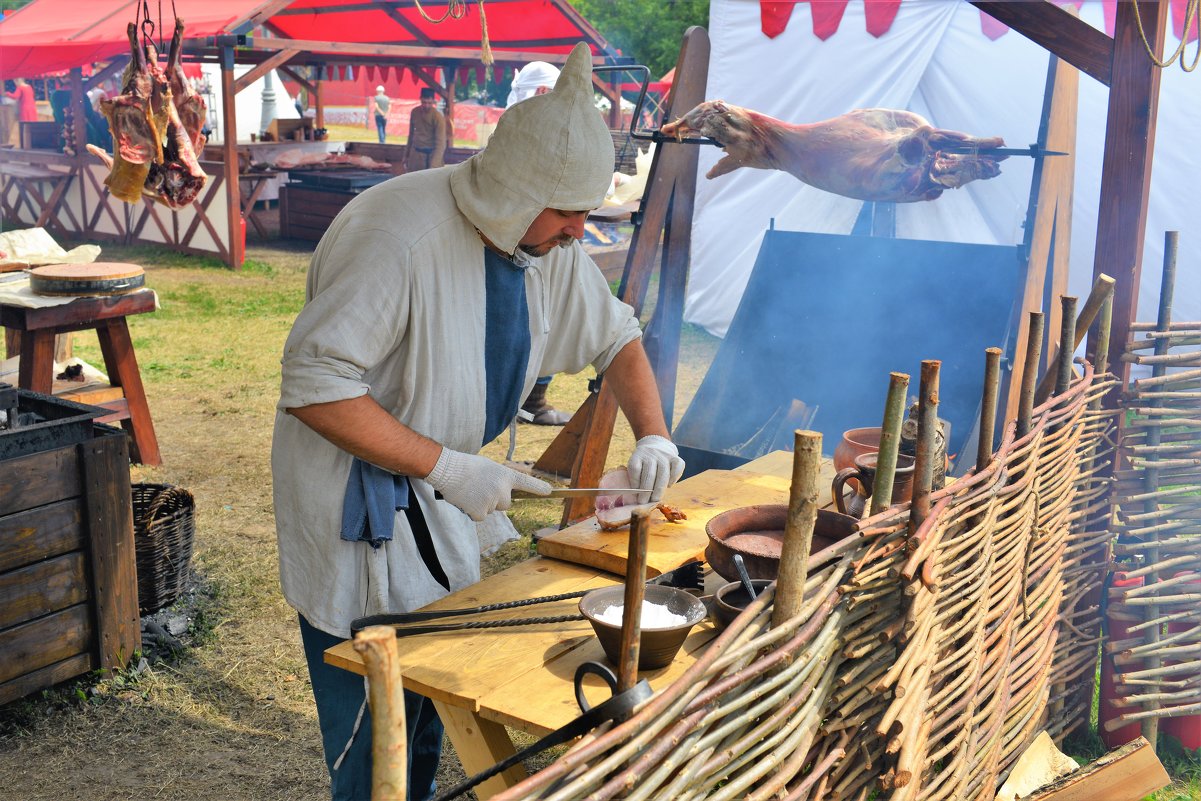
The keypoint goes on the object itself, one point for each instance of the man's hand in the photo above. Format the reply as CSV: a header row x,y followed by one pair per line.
x,y
655,465
478,485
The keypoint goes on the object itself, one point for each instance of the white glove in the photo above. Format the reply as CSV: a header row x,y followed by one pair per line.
x,y
478,485
655,465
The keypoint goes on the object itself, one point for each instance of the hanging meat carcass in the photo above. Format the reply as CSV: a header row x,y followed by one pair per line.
x,y
870,154
156,125
136,143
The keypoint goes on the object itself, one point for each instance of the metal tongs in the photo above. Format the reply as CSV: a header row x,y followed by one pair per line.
x,y
689,577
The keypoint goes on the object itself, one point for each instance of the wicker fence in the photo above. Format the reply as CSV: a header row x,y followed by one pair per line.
x,y
927,655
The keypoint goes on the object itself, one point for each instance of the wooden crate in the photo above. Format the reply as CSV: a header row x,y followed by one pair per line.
x,y
305,213
297,130
68,583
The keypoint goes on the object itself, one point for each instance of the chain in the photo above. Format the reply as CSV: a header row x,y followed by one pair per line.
x,y
1191,13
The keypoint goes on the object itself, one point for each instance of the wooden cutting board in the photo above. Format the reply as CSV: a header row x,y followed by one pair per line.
x,y
672,544
96,278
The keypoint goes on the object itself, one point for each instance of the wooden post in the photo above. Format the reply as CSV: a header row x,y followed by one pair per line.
x,y
1102,289
385,694
229,148
631,612
927,432
1163,322
671,168
319,114
1034,349
1126,165
890,443
988,408
798,527
1067,338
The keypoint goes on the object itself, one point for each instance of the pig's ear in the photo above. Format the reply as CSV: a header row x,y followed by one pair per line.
x,y
728,163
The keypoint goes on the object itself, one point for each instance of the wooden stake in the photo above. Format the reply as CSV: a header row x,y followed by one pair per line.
x,y
927,431
890,443
385,694
631,613
988,408
1067,333
798,528
1034,351
1101,293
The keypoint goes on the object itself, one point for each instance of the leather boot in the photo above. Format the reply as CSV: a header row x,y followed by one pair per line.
x,y
544,414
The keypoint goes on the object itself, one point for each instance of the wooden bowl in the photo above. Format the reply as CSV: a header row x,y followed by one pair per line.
x,y
657,647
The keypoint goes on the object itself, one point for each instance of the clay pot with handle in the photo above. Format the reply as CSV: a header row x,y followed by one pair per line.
x,y
863,473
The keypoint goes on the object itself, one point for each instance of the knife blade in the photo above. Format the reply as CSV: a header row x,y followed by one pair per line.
x,y
578,492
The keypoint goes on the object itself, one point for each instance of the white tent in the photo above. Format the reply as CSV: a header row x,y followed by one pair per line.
x,y
934,60
248,103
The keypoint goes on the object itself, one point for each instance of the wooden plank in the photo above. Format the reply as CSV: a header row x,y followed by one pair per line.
x,y
45,641
1125,774
459,667
122,366
480,744
41,533
45,677
1126,166
105,463
78,312
700,497
1066,36
229,140
32,591
263,67
1049,234
667,168
39,479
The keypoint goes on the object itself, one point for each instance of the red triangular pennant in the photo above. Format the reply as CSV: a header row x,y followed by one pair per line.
x,y
827,15
880,15
773,16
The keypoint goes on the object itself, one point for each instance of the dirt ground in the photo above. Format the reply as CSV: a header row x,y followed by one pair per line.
x,y
230,715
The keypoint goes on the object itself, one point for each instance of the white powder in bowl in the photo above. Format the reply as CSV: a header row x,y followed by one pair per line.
x,y
654,616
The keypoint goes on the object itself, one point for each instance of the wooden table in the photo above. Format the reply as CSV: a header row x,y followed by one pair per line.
x,y
25,182
35,330
484,680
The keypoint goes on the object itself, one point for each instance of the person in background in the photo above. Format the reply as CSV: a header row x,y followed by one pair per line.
x,y
427,135
27,107
433,302
381,105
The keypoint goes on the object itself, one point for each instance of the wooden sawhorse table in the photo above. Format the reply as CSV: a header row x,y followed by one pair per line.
x,y
35,330
24,181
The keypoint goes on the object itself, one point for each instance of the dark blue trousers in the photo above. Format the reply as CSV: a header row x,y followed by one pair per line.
x,y
339,695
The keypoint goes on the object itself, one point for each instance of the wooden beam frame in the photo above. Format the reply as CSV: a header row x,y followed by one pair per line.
x,y
1057,30
263,67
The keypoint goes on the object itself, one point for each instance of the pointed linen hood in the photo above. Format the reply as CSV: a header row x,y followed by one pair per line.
x,y
551,151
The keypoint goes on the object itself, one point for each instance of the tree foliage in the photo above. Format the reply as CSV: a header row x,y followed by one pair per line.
x,y
649,31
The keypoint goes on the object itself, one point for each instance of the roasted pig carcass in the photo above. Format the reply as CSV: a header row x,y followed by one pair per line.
x,y
613,512
136,142
871,154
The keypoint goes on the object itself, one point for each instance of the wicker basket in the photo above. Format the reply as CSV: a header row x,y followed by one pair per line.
x,y
163,527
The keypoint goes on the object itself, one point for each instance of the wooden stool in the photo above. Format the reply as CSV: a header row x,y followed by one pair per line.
x,y
35,330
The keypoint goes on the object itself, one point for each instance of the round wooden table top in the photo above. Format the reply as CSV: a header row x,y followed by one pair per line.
x,y
96,278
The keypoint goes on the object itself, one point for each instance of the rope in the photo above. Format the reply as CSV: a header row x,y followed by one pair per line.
x,y
1191,13
455,9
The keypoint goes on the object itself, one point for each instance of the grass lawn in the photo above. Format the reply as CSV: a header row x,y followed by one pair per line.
x,y
233,718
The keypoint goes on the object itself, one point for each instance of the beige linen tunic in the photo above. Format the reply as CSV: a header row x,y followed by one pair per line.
x,y
395,308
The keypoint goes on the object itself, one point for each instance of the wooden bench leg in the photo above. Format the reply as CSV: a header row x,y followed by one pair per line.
x,y
122,367
37,361
480,744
